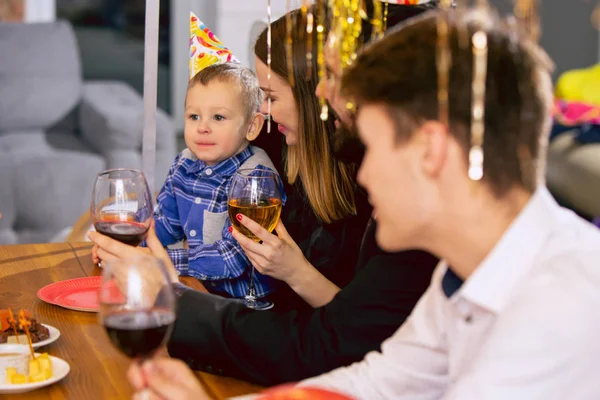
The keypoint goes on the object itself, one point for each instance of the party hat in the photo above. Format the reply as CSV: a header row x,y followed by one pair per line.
x,y
205,48
406,2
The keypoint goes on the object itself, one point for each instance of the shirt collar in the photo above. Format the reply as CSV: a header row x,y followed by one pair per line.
x,y
491,284
226,167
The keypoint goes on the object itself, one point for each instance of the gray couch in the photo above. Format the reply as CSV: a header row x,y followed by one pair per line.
x,y
574,173
57,132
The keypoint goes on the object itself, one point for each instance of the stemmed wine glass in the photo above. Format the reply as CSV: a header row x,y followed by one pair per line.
x,y
137,305
256,194
121,206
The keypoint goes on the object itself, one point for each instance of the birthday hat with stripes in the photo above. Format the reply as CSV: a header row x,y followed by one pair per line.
x,y
205,48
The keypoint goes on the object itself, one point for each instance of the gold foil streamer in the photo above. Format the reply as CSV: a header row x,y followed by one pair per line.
x,y
526,12
480,52
378,20
321,8
443,60
309,37
347,28
385,15
269,64
289,27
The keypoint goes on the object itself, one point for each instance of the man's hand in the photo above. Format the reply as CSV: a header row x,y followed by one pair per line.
x,y
165,378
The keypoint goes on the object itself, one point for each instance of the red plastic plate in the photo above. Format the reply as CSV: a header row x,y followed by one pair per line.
x,y
80,294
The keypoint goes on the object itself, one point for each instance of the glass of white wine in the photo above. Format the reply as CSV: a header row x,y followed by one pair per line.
x,y
256,194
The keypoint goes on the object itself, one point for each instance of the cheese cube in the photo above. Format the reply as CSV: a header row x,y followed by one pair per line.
x,y
10,372
45,363
34,367
37,378
19,379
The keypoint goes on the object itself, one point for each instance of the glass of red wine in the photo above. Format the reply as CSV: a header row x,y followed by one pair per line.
x,y
137,305
121,205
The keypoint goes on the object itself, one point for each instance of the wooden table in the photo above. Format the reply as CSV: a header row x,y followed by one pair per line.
x,y
97,368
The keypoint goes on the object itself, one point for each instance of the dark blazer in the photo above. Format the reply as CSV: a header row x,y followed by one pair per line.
x,y
270,347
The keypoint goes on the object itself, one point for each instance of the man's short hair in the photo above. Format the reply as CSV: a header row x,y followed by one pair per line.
x,y
243,77
400,72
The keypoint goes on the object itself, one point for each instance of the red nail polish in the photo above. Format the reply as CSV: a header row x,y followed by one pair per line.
x,y
231,229
239,217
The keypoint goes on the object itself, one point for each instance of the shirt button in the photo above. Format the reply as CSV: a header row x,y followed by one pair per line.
x,y
192,233
208,171
198,200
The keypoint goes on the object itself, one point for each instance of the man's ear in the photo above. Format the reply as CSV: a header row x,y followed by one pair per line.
x,y
435,141
255,126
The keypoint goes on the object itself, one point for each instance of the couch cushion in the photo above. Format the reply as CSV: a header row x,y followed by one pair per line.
x,y
40,142
111,116
52,190
7,200
40,74
574,173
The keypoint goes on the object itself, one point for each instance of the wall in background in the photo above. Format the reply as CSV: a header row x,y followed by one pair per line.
x,y
567,32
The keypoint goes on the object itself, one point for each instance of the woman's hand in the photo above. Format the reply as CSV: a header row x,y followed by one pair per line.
x,y
278,256
108,249
165,378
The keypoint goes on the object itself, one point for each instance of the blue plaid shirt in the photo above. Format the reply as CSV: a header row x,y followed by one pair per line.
x,y
192,205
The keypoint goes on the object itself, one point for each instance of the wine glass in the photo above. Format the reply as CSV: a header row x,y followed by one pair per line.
x,y
137,305
256,194
121,205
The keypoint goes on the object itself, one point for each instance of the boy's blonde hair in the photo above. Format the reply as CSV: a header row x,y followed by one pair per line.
x,y
243,77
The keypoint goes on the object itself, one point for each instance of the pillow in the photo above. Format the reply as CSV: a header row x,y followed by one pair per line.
x,y
40,74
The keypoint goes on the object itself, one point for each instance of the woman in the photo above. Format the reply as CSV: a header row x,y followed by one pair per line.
x,y
327,184
222,336
326,181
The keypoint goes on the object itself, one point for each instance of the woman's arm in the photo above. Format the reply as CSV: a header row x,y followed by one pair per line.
x,y
280,257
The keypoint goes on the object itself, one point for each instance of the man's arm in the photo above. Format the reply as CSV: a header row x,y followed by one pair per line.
x,y
223,336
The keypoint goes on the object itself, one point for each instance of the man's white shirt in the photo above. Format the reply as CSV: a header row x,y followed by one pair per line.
x,y
525,325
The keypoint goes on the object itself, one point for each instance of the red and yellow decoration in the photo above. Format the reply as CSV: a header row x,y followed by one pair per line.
x,y
205,48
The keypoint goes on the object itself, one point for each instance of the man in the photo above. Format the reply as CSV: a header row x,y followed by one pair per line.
x,y
345,143
512,311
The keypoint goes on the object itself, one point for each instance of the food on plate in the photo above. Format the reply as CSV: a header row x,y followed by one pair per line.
x,y
10,330
40,369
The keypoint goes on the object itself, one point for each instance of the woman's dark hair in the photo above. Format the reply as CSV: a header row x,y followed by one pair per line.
x,y
345,143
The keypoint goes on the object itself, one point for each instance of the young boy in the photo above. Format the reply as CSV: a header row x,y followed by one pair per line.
x,y
512,311
221,118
